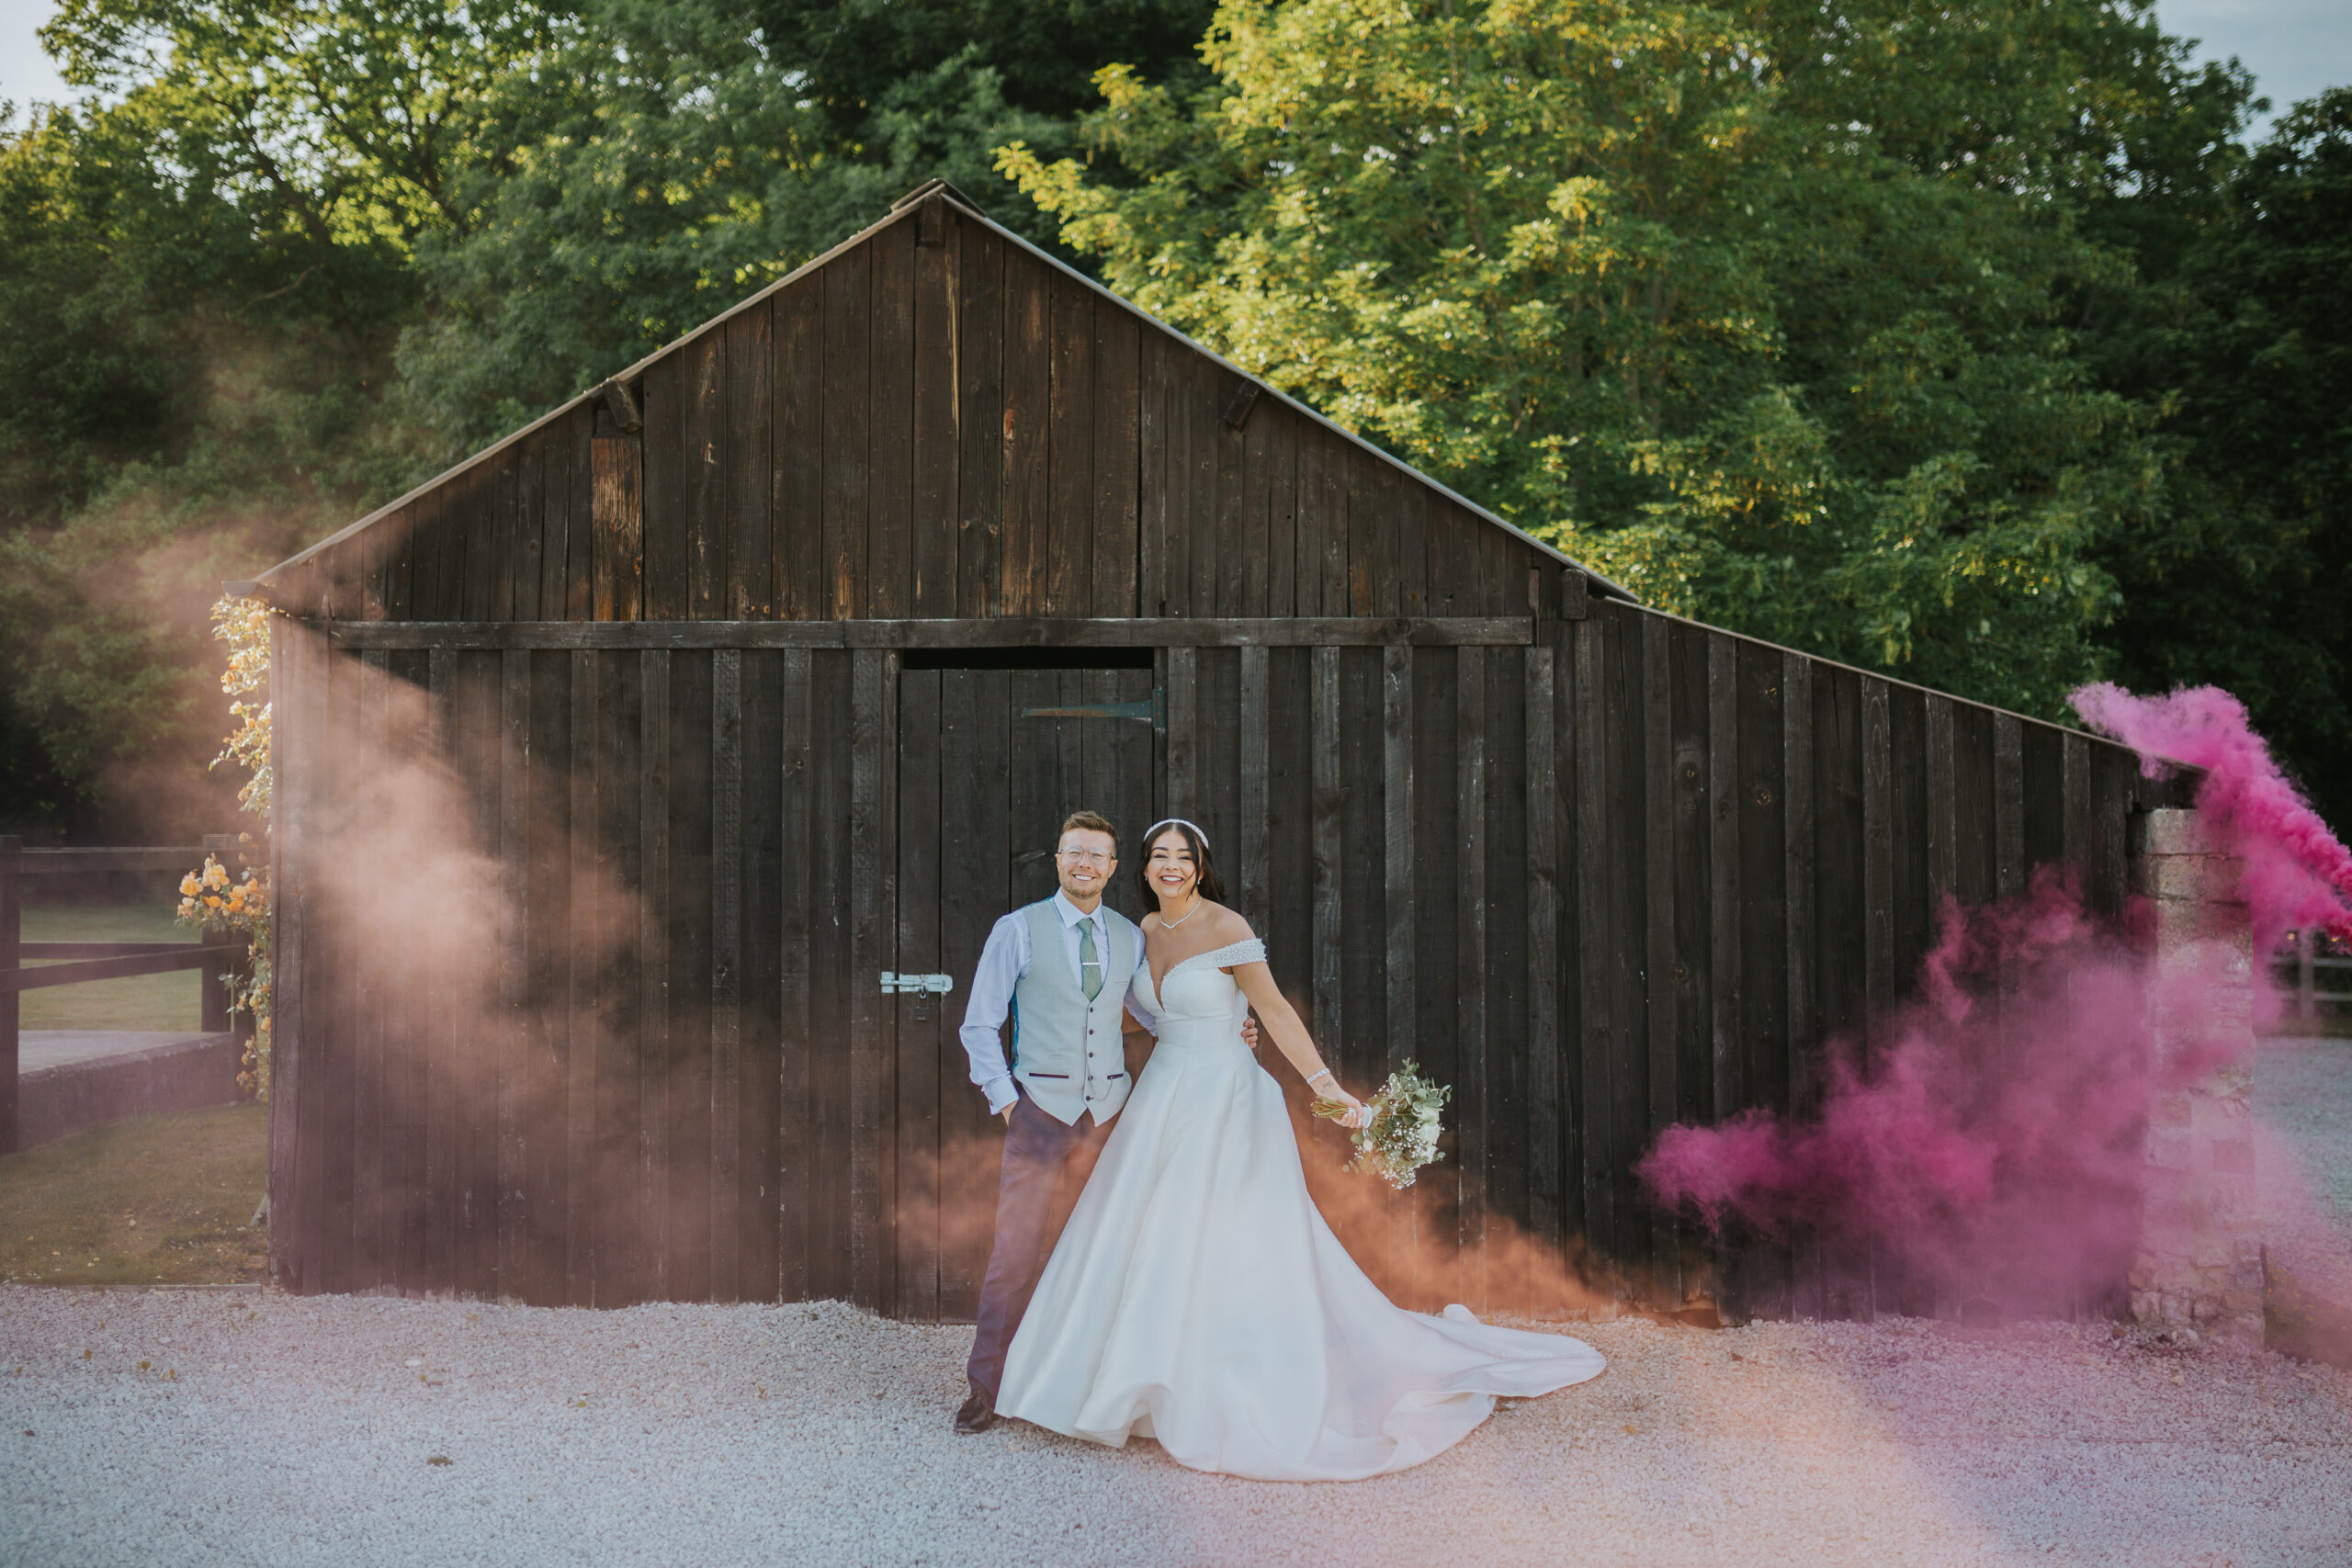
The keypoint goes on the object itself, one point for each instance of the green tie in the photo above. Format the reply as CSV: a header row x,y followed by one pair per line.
x,y
1089,962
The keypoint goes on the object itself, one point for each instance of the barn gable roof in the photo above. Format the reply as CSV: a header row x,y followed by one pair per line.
x,y
909,209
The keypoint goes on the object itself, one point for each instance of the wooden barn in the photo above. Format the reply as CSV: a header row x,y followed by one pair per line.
x,y
800,637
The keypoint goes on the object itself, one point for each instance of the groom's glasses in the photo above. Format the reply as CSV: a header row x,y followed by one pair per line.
x,y
1086,857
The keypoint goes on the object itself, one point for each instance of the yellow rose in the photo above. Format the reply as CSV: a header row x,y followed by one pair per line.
x,y
189,885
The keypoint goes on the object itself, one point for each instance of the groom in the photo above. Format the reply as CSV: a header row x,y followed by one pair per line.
x,y
1062,967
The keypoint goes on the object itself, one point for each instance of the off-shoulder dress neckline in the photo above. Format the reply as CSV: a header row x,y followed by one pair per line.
x,y
1160,982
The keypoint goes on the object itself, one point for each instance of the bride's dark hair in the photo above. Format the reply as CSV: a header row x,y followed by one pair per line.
x,y
1211,886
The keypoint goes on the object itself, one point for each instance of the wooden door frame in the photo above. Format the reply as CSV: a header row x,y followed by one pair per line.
x,y
888,1264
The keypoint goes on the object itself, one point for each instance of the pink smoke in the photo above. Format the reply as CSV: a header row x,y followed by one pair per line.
x,y
1989,1142
2296,872
1989,1139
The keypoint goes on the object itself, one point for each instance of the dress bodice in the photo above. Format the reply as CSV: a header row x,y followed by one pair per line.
x,y
1198,1001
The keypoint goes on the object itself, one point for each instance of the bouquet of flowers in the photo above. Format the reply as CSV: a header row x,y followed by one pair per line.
x,y
1401,1138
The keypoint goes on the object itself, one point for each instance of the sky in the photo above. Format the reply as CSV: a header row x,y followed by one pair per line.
x,y
26,74
2293,47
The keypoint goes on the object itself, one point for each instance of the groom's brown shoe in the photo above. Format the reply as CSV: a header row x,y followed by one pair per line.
x,y
978,1413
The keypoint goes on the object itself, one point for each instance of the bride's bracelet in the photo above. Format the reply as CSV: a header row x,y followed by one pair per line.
x,y
1325,1073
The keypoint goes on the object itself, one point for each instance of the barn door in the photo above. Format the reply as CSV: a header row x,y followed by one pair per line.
x,y
990,761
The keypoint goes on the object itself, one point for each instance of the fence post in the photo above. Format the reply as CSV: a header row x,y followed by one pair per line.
x,y
2306,979
213,1018
2200,1262
11,955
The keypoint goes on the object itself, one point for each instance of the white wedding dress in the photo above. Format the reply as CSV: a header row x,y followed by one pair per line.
x,y
1197,1297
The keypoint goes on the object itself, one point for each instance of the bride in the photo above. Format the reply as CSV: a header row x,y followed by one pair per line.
x,y
1196,1295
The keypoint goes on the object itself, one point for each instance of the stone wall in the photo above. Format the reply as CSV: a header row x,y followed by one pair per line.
x,y
2199,1263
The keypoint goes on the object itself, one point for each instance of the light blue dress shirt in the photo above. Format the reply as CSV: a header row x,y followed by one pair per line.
x,y
1003,962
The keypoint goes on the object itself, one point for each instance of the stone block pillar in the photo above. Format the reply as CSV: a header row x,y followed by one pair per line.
x,y
2199,1259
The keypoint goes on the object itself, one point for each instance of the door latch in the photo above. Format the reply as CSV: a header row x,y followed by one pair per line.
x,y
1153,711
923,988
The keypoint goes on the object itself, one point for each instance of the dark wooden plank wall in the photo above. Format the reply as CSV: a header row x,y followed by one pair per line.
x,y
1633,874
951,429
1630,875
1779,885
614,1091
1649,905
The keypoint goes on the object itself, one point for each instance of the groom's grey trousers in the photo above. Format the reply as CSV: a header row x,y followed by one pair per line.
x,y
1037,1149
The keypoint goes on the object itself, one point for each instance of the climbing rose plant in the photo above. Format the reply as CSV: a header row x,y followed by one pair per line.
x,y
210,899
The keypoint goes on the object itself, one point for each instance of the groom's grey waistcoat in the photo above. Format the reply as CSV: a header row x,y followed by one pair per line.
x,y
1067,1054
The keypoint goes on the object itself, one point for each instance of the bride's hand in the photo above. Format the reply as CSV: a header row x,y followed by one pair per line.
x,y
1327,1087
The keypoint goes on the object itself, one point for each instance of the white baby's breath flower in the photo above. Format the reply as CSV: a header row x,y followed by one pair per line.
x,y
1402,1134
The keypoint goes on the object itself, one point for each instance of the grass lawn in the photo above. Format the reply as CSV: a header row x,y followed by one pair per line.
x,y
159,1200
2327,1026
145,1002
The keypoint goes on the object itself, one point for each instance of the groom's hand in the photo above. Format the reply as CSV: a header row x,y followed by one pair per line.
x,y
1250,1032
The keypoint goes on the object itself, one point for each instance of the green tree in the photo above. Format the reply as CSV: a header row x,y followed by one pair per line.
x,y
301,253
702,151
851,55
165,437
80,333
689,171
359,122
202,275
1759,308
2242,582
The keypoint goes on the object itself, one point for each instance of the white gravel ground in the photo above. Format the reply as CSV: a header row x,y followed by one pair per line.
x,y
265,1429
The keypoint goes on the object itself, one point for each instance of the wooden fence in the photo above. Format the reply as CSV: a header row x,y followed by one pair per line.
x,y
76,963
2312,963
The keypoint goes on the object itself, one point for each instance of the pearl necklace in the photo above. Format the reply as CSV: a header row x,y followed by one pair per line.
x,y
1168,925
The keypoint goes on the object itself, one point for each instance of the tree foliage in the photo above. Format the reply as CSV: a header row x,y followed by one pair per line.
x,y
298,254
1762,309
852,55
689,170
2242,582
695,153
1962,341
188,406
356,123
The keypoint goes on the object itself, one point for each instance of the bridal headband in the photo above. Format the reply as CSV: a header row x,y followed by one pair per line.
x,y
1175,822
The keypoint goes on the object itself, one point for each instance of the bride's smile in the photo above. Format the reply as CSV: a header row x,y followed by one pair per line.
x,y
1170,870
